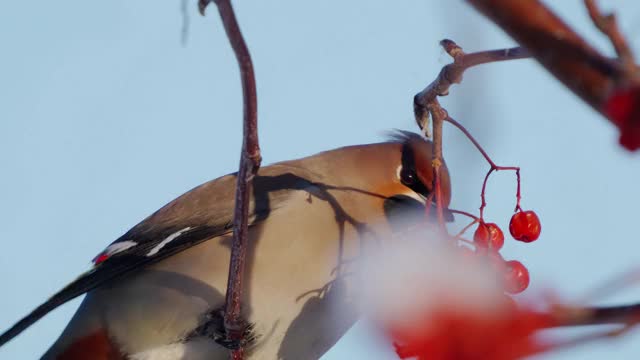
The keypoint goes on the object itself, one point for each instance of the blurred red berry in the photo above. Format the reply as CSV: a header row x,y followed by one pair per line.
x,y
623,108
489,236
525,226
447,333
516,277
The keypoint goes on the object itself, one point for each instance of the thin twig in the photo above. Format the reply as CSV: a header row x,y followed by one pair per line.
x,y
470,215
464,229
494,167
475,142
483,202
608,25
249,163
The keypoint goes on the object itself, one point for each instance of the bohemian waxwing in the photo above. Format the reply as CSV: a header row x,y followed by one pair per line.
x,y
157,292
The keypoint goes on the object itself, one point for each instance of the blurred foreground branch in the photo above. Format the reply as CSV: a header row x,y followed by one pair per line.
x,y
596,79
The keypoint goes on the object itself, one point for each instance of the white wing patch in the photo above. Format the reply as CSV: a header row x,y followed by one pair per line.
x,y
113,249
167,240
119,247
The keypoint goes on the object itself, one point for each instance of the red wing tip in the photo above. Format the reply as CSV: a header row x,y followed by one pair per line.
x,y
100,258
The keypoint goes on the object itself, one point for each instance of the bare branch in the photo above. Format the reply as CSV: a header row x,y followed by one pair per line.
x,y
452,74
426,104
249,164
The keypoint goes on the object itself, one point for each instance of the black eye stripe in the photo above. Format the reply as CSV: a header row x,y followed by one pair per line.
x,y
408,158
408,174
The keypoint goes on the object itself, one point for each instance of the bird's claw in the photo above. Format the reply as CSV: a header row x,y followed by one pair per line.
x,y
212,327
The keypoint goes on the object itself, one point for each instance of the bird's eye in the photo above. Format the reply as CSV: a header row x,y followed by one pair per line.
x,y
408,177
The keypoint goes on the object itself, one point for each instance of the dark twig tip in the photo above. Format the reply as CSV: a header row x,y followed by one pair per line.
x,y
450,46
202,6
447,43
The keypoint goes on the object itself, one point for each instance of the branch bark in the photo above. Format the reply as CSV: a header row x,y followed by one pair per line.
x,y
250,159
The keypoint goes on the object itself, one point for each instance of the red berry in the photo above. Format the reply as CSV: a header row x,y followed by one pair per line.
x,y
516,277
525,226
489,236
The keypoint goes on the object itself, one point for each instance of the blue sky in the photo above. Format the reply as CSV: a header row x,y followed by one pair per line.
x,y
105,117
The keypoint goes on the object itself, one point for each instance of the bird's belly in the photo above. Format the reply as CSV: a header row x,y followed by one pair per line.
x,y
296,287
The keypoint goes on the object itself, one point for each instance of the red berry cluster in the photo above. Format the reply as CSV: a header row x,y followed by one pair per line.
x,y
489,239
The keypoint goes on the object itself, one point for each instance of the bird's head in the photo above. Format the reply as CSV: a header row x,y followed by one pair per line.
x,y
414,169
398,171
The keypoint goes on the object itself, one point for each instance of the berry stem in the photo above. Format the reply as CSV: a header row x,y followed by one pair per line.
x,y
464,213
475,142
483,203
518,197
464,229
493,165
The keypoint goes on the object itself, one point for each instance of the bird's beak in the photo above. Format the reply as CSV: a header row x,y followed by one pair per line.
x,y
448,215
416,196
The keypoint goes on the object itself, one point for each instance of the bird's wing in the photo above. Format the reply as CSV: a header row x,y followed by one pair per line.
x,y
200,214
